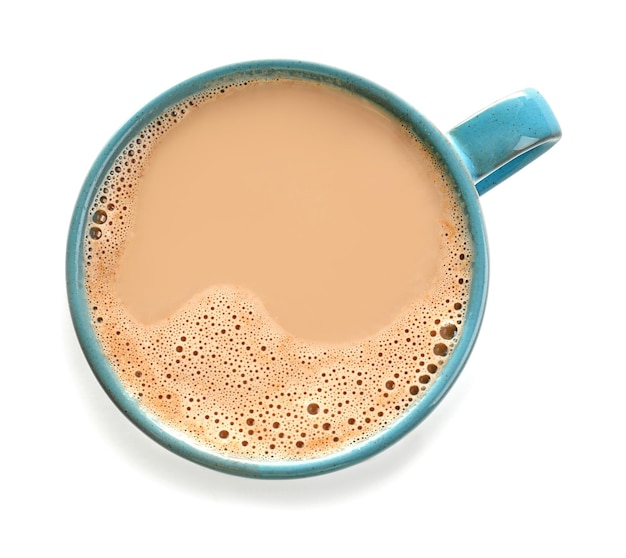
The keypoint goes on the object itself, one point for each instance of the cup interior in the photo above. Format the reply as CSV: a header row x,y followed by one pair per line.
x,y
81,226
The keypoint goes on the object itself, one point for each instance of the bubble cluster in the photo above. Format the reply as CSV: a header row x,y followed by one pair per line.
x,y
223,373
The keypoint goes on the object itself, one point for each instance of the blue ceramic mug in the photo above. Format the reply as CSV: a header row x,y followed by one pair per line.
x,y
477,154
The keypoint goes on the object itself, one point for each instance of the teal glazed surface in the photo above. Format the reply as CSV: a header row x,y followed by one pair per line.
x,y
477,155
503,138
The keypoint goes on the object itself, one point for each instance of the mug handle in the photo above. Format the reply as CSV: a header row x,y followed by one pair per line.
x,y
504,137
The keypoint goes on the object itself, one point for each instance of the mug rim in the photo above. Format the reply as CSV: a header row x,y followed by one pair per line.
x,y
437,144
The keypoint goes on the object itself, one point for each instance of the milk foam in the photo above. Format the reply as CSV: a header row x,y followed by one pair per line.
x,y
222,371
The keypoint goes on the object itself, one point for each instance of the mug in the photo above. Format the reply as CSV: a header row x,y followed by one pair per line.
x,y
477,154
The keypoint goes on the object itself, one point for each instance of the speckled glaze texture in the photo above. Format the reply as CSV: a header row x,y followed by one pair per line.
x,y
478,154
503,138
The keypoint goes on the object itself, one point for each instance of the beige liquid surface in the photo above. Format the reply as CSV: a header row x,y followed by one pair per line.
x,y
277,269
322,207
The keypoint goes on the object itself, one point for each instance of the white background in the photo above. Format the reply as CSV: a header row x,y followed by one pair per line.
x,y
525,455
